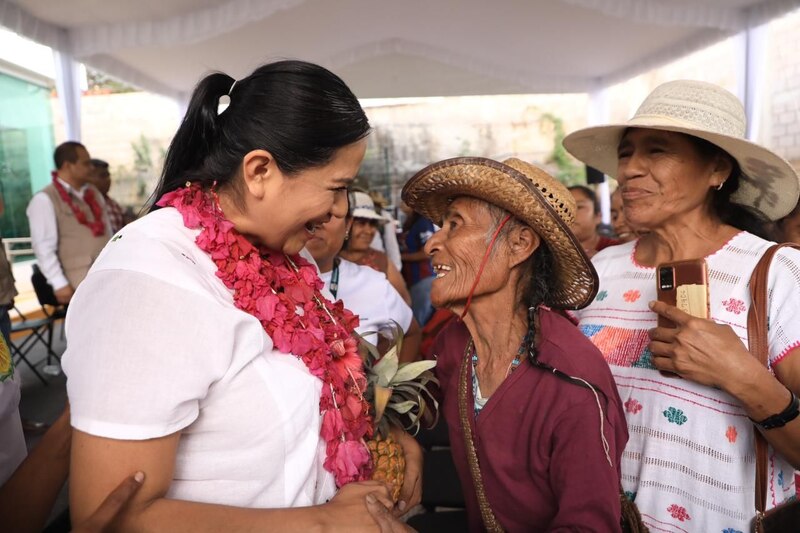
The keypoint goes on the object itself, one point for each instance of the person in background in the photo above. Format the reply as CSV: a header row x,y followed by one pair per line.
x,y
31,482
386,240
358,246
622,229
789,226
587,217
363,290
68,221
417,267
8,289
530,404
694,395
102,180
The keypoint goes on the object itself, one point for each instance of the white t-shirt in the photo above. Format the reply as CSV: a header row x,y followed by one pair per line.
x,y
367,293
155,345
12,441
689,461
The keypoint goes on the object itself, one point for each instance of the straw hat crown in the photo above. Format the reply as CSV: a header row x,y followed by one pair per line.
x,y
703,110
703,105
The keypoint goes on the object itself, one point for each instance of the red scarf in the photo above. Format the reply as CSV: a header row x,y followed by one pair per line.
x,y
272,287
97,226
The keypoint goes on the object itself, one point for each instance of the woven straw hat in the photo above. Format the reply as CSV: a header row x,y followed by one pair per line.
x,y
362,206
527,192
768,182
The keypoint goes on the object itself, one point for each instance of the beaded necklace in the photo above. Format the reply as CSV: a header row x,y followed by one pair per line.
x,y
480,402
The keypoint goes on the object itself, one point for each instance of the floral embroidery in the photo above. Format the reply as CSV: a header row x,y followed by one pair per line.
x,y
732,434
675,416
284,294
632,295
733,305
780,478
730,530
633,406
678,512
601,296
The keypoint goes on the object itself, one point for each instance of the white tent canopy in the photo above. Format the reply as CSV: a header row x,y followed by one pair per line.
x,y
387,49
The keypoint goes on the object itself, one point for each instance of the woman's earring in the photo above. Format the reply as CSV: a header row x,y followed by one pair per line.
x,y
346,234
719,187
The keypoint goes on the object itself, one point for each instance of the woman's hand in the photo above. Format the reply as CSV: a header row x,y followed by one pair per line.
x,y
411,491
105,515
700,350
348,510
386,521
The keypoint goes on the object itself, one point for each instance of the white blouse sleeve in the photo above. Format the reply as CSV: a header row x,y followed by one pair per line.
x,y
142,354
396,308
784,304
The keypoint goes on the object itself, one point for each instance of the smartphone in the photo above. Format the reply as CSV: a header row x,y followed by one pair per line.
x,y
683,284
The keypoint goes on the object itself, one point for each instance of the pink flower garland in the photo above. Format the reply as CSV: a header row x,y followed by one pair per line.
x,y
272,287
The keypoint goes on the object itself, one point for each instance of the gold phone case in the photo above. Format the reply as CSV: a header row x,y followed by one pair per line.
x,y
688,290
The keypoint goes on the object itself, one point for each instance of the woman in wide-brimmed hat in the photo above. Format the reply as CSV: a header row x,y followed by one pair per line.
x,y
536,425
366,223
689,177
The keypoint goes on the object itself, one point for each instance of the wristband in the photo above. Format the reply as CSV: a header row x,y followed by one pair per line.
x,y
784,417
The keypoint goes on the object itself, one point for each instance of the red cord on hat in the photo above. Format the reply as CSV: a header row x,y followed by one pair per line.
x,y
483,264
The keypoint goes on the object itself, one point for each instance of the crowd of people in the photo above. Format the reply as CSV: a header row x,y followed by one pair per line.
x,y
214,381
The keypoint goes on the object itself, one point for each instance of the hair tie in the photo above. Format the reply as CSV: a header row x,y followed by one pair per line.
x,y
225,100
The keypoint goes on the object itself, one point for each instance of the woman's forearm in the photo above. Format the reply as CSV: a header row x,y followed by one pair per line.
x,y
27,498
177,515
762,396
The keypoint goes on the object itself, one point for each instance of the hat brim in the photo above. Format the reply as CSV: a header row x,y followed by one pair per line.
x,y
769,183
432,189
369,214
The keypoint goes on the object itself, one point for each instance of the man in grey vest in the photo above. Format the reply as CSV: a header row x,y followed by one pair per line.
x,y
68,221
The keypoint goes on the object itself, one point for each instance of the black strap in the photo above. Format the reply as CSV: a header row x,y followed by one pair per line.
x,y
334,286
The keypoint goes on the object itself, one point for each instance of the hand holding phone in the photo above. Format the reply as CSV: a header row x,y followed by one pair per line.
x,y
683,284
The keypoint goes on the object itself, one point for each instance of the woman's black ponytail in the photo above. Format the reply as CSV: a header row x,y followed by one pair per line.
x,y
299,112
196,135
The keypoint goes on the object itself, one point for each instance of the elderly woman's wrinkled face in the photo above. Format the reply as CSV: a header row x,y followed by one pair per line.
x,y
457,250
663,176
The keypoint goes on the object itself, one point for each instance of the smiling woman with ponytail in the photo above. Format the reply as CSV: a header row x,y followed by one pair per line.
x,y
201,350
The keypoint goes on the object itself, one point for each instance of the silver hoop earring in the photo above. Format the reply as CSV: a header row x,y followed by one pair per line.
x,y
719,187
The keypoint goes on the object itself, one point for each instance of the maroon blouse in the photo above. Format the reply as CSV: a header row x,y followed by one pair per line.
x,y
538,437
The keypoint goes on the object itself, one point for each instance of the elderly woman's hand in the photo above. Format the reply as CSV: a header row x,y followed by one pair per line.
x,y
699,350
411,492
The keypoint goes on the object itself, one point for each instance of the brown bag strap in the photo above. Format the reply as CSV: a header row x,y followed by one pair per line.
x,y
490,521
757,318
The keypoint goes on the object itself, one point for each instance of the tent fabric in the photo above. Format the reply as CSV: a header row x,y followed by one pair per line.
x,y
382,49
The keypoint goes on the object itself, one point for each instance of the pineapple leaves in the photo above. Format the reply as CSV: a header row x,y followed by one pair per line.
x,y
410,371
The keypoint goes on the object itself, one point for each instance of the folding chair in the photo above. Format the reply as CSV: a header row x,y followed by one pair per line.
x,y
52,309
35,328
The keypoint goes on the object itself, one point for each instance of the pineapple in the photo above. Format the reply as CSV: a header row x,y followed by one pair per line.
x,y
400,397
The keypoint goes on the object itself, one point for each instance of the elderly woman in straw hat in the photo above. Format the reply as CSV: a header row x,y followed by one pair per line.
x,y
690,178
536,425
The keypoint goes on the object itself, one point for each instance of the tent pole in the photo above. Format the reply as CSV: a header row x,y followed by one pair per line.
x,y
69,93
752,75
598,114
